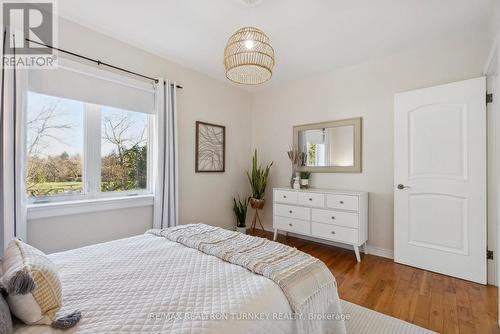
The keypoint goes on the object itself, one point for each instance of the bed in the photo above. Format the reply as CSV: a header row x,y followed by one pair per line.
x,y
148,284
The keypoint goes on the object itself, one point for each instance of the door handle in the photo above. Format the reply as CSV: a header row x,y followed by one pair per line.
x,y
402,186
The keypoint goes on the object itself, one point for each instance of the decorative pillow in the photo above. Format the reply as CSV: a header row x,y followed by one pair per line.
x,y
33,286
5,317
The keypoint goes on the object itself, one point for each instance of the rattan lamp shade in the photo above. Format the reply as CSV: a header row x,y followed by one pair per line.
x,y
249,57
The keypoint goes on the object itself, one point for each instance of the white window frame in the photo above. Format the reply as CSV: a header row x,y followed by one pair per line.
x,y
47,206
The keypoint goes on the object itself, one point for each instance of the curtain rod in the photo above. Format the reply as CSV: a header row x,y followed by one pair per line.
x,y
98,62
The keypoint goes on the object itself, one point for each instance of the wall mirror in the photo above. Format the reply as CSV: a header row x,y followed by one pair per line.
x,y
331,147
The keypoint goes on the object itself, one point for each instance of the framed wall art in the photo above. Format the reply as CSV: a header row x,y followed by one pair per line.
x,y
210,148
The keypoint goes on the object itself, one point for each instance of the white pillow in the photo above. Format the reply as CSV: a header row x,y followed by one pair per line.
x,y
32,283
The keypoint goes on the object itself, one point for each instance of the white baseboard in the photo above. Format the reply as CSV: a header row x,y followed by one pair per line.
x,y
372,250
379,251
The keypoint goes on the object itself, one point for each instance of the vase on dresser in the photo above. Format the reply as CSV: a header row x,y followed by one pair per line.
x,y
297,159
294,175
333,215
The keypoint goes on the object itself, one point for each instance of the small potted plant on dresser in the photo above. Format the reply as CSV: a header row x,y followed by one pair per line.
x,y
304,179
240,212
258,182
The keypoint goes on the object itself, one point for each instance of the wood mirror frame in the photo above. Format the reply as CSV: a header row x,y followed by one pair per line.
x,y
356,123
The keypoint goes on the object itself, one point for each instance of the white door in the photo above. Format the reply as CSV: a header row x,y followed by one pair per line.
x,y
440,179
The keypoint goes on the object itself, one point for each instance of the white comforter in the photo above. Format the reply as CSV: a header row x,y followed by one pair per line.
x,y
147,284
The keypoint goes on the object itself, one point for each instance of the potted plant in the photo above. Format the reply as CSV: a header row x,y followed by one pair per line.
x,y
258,183
240,211
304,179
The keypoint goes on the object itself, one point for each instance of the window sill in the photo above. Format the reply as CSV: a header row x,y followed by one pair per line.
x,y
46,210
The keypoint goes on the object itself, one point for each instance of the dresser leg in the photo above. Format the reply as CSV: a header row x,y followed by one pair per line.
x,y
356,250
275,234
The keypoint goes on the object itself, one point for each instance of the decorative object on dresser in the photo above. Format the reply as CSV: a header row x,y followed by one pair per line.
x,y
331,147
296,181
304,180
297,159
210,148
335,215
240,211
258,183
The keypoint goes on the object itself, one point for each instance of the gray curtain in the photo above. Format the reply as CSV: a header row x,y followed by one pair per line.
x,y
166,156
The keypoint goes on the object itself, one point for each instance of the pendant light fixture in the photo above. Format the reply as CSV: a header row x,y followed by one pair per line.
x,y
249,56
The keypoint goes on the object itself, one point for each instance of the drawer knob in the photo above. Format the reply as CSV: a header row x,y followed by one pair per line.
x,y
333,232
290,211
284,196
341,202
290,224
310,199
333,217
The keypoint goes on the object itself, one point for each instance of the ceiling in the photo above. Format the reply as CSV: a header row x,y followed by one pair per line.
x,y
308,36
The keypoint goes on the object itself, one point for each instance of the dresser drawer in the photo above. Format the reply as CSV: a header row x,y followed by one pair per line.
x,y
347,219
312,199
292,225
345,202
290,211
284,196
334,232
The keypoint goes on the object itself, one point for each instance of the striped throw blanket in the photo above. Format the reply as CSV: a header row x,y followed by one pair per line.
x,y
306,281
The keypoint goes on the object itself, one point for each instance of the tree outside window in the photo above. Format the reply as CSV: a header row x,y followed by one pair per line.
x,y
55,148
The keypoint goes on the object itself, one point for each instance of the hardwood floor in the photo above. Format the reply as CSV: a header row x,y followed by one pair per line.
x,y
440,303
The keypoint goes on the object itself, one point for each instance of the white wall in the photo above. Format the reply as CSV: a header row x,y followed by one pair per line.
x,y
203,197
365,90
66,232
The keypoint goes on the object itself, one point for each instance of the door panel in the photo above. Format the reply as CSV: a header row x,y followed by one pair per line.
x,y
435,153
440,167
433,216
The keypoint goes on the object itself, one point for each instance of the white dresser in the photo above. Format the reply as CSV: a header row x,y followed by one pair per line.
x,y
336,215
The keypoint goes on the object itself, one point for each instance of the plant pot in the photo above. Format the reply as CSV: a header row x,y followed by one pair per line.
x,y
304,183
241,230
257,203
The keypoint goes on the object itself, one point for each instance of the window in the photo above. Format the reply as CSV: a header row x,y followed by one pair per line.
x,y
316,155
54,146
124,150
78,150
